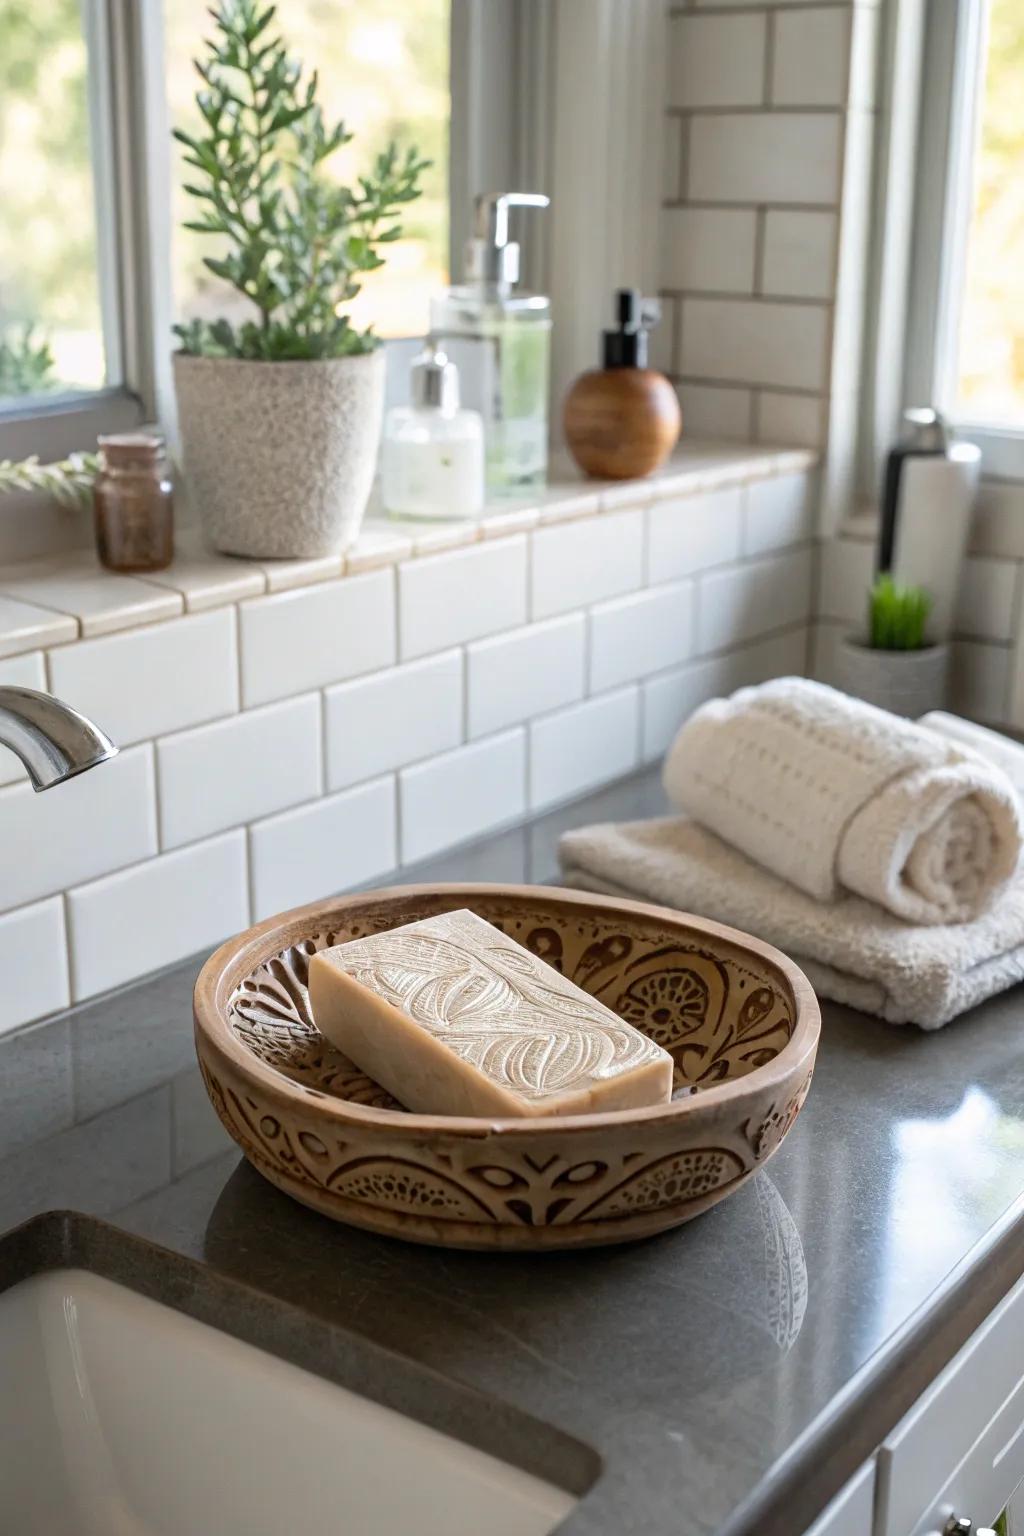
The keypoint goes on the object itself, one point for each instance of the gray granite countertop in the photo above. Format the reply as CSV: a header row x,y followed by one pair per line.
x,y
725,1377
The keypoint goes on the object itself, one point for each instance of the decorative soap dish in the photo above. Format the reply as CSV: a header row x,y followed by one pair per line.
x,y
739,1020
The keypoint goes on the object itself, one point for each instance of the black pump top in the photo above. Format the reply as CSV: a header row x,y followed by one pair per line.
x,y
626,347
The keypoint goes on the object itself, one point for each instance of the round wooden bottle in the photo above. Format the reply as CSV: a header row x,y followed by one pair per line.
x,y
621,423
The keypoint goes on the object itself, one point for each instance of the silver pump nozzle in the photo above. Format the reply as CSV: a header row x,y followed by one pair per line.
x,y
491,257
434,380
929,431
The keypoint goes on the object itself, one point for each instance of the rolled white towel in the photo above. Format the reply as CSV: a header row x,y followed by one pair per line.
x,y
832,794
995,748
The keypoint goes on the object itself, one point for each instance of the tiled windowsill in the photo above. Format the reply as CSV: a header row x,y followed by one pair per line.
x,y
49,602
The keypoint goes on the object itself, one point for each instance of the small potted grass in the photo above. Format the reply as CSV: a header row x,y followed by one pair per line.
x,y
896,667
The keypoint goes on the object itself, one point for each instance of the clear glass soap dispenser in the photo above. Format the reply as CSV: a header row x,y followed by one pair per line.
x,y
432,457
501,339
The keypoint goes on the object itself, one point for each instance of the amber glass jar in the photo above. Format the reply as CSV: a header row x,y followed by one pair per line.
x,y
134,503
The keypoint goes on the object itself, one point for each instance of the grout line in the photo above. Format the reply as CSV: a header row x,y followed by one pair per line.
x,y
796,109
250,872
760,233
789,389
755,416
769,56
683,179
751,205
321,724
762,7
735,296
67,956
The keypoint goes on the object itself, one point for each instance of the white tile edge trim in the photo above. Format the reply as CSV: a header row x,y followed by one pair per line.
x,y
697,466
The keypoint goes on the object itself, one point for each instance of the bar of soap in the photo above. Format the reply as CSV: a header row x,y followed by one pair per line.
x,y
454,1018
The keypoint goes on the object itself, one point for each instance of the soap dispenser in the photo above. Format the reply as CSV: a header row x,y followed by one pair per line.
x,y
623,420
500,337
432,453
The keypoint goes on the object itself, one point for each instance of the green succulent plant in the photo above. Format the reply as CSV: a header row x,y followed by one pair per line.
x,y
897,616
27,365
296,241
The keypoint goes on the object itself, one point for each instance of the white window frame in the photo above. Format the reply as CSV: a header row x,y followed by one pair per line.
x,y
952,83
130,162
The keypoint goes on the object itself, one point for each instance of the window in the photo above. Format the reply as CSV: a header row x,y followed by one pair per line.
x,y
94,265
51,320
988,369
966,336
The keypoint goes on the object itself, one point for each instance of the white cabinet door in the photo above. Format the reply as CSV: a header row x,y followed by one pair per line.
x,y
960,1449
850,1512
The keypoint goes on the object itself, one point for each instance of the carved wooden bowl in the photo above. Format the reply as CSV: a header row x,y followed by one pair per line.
x,y
739,1019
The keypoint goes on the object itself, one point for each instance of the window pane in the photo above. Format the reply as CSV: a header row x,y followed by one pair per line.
x,y
383,68
51,333
991,371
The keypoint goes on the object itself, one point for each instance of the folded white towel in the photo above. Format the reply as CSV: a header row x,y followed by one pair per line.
x,y
835,795
851,950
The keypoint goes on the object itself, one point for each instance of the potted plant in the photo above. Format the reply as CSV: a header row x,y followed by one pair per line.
x,y
896,668
280,414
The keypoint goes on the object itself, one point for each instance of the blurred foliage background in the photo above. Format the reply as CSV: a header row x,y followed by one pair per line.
x,y
383,67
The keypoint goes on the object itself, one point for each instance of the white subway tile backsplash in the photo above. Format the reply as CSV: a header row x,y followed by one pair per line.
x,y
716,61
708,248
143,918
577,748
753,342
670,699
148,682
810,57
644,632
332,845
694,533
791,419
715,411
778,512
28,671
526,672
998,527
233,771
777,157
462,794
847,572
987,605
979,682
574,564
799,253
743,601
96,822
294,641
392,718
33,963
446,599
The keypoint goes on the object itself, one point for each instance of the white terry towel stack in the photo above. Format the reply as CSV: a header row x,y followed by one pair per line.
x,y
882,855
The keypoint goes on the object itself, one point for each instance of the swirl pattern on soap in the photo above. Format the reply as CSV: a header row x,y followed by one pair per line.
x,y
526,1028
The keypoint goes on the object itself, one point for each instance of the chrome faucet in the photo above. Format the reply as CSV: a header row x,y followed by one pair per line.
x,y
53,740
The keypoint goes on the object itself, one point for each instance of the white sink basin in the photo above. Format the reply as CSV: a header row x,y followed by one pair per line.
x,y
122,1417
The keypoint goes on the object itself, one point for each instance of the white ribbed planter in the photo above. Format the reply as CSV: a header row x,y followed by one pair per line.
x,y
908,683
280,457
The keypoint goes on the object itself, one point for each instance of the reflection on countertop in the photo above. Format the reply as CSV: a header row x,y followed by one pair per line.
x,y
700,1365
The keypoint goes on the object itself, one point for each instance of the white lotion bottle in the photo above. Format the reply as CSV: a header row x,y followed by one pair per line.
x,y
432,457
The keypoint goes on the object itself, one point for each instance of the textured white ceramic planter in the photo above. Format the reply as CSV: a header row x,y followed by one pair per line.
x,y
907,683
280,457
